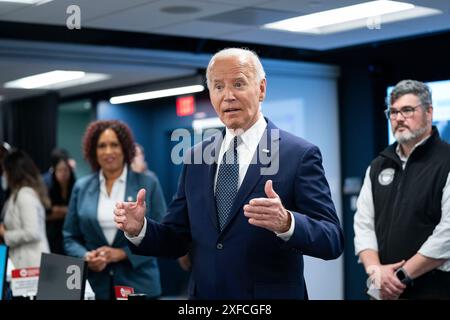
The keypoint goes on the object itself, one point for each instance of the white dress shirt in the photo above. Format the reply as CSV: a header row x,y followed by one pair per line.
x,y
246,150
437,246
106,204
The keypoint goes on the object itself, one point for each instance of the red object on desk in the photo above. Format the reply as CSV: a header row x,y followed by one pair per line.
x,y
122,292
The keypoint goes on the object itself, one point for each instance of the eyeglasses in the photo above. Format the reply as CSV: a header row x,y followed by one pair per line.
x,y
406,112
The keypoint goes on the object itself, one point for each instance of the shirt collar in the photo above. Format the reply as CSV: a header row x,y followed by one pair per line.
x,y
251,136
400,154
122,177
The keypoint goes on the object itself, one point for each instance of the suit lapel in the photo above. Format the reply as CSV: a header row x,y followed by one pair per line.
x,y
93,198
266,153
216,142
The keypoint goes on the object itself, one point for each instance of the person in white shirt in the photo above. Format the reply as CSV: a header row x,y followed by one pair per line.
x,y
89,229
402,222
24,220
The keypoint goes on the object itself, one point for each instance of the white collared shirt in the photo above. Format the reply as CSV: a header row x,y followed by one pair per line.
x,y
404,158
106,203
246,150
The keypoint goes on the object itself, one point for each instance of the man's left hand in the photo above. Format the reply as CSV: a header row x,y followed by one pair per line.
x,y
268,212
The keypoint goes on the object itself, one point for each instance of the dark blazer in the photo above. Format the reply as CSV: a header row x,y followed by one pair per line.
x,y
244,261
83,233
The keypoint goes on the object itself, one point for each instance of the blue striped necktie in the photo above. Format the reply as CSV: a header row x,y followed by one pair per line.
x,y
227,182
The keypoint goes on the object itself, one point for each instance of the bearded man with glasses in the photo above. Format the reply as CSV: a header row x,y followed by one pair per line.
x,y
402,222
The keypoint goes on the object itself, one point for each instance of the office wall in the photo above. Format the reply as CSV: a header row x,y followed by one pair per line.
x,y
73,119
357,149
308,107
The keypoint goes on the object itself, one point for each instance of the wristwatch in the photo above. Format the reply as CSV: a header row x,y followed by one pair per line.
x,y
403,276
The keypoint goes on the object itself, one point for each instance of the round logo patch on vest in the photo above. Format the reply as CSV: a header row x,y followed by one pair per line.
x,y
386,176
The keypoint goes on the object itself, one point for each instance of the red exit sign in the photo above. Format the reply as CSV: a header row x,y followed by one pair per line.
x,y
185,106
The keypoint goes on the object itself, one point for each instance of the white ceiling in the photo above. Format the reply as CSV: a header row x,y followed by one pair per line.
x,y
146,16
212,19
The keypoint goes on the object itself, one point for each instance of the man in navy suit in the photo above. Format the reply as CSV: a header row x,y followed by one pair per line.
x,y
248,216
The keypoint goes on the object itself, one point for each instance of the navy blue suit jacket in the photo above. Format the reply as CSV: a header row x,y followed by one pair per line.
x,y
244,261
82,233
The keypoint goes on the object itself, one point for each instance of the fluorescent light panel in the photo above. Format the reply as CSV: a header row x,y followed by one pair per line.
x,y
88,78
350,17
156,94
56,79
44,79
202,124
38,2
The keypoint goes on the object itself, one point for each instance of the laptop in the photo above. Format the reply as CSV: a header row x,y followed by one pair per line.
x,y
3,266
61,278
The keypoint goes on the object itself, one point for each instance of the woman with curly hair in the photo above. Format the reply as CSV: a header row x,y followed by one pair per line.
x,y
89,229
24,221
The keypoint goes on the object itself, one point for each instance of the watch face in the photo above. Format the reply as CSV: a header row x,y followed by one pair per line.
x,y
401,275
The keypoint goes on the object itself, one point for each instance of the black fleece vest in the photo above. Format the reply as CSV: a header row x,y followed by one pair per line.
x,y
408,202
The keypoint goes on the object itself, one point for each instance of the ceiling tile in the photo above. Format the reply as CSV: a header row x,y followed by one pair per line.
x,y
250,16
199,29
148,17
9,7
55,12
239,3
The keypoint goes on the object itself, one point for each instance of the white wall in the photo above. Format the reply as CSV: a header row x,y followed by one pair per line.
x,y
302,98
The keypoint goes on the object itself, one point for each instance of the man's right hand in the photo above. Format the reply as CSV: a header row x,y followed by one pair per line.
x,y
129,216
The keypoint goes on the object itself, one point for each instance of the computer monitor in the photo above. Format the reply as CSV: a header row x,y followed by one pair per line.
x,y
61,278
3,265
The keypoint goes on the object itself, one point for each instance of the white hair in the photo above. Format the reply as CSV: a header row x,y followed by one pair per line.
x,y
245,55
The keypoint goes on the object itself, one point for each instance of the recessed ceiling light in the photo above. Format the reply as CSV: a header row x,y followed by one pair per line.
x,y
156,94
56,79
37,2
351,17
44,79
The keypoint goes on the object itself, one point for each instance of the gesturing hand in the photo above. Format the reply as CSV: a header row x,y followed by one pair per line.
x,y
129,216
268,212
